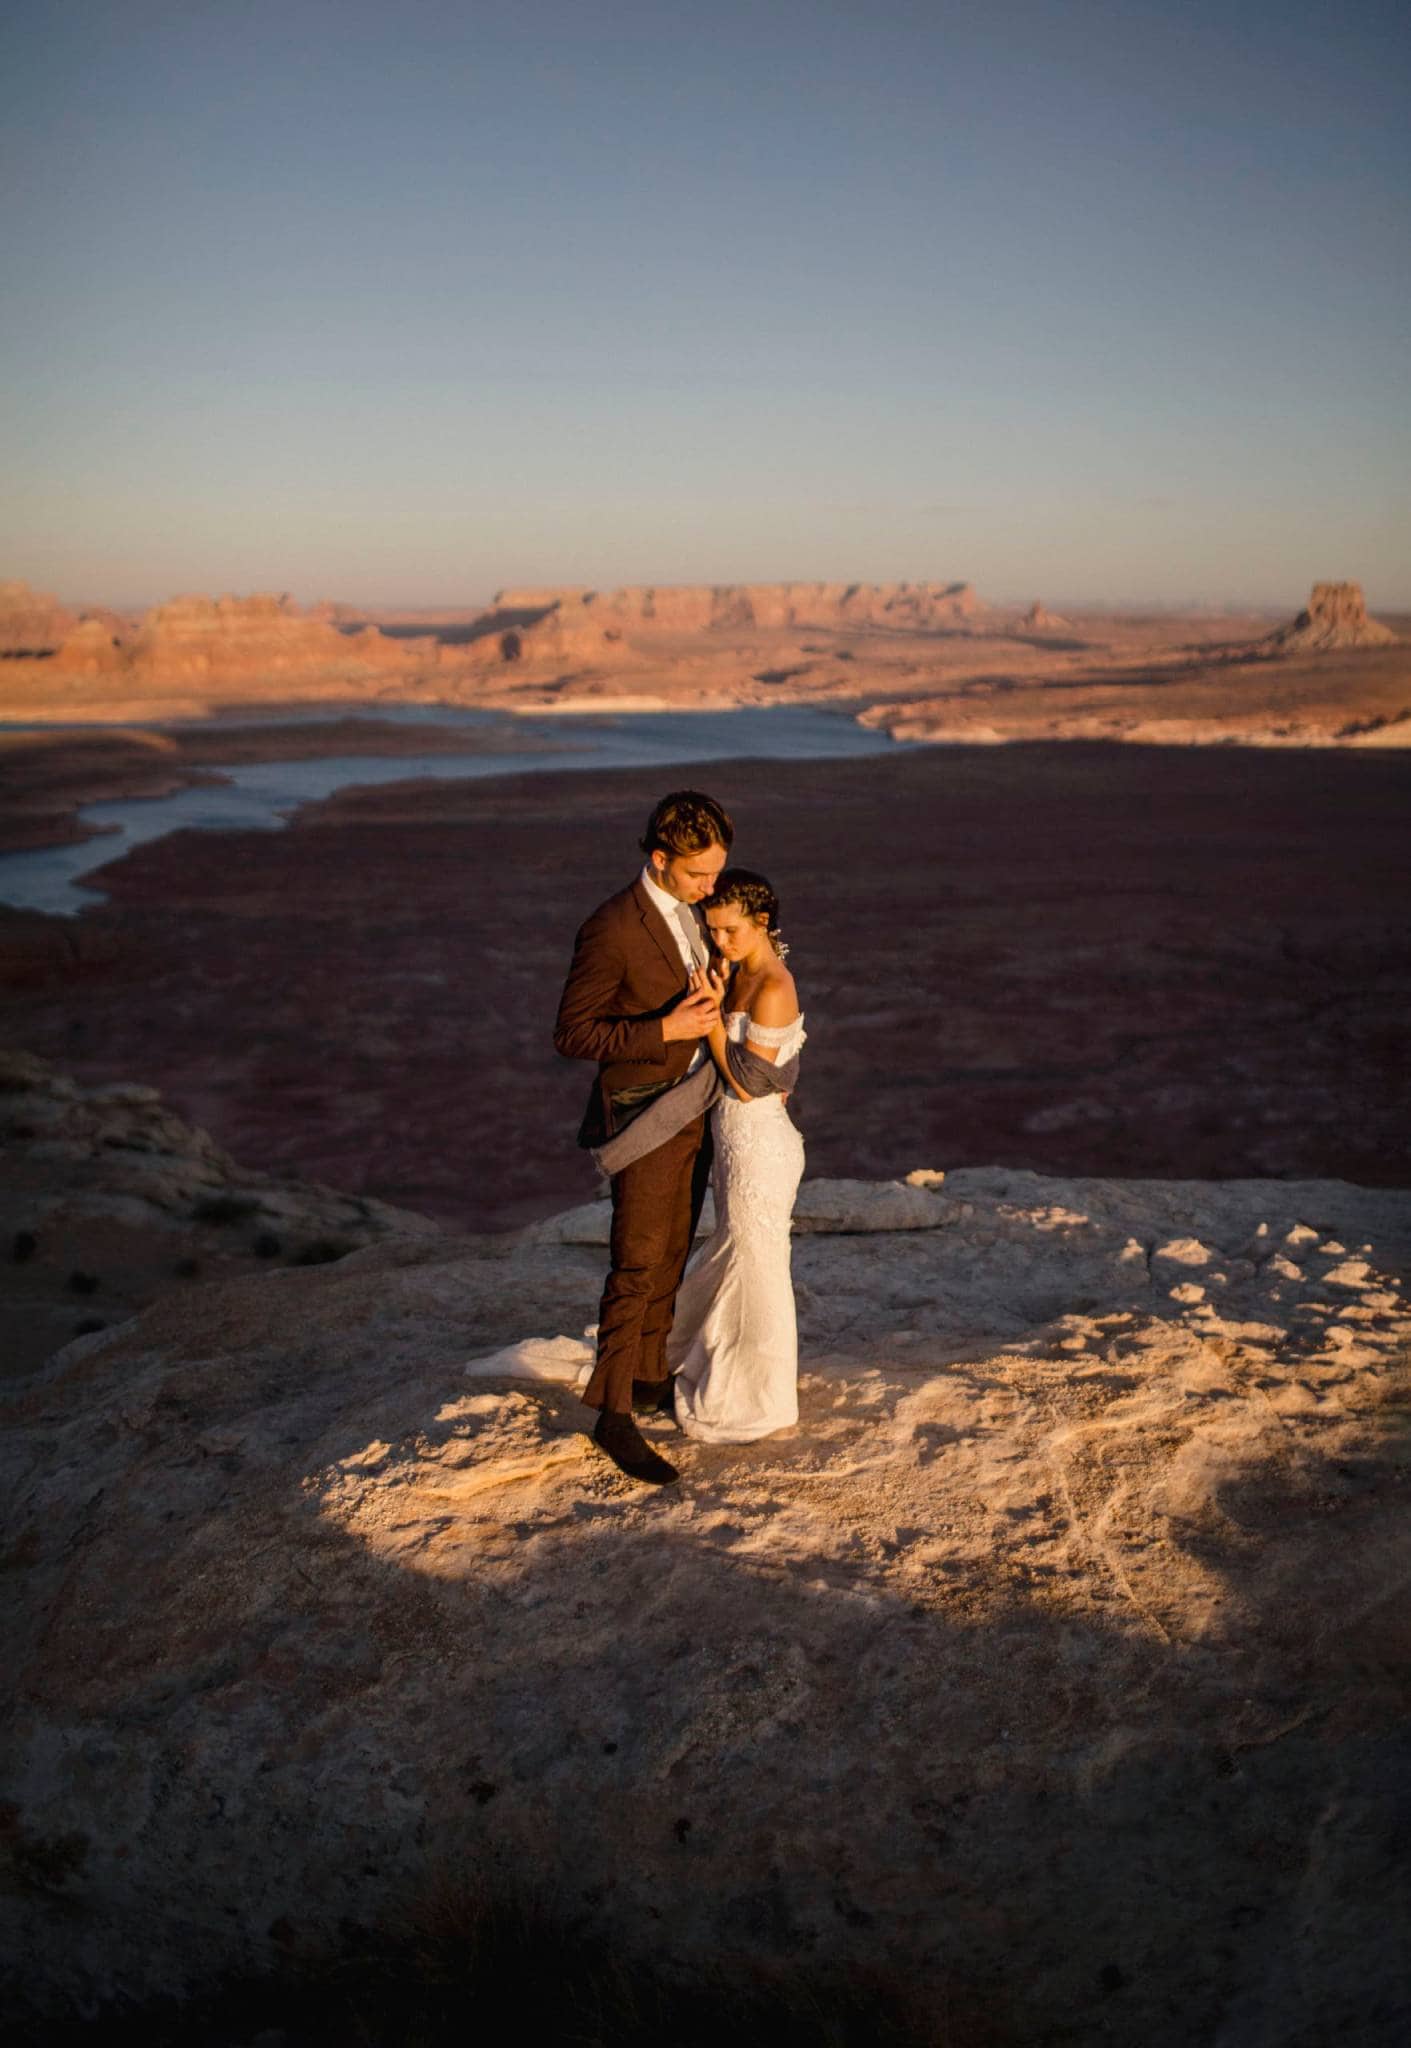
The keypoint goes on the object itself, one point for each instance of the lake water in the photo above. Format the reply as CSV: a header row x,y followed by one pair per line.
x,y
260,796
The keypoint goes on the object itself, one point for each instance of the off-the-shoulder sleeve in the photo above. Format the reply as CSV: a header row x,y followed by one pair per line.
x,y
758,1075
772,1034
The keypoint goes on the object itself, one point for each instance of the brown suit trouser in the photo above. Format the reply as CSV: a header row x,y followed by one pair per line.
x,y
656,1205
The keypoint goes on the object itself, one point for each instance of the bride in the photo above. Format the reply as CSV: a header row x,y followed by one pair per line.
x,y
734,1345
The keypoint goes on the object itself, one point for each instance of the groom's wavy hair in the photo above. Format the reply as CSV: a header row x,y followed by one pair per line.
x,y
687,822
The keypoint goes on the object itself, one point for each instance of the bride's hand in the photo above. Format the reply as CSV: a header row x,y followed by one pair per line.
x,y
706,982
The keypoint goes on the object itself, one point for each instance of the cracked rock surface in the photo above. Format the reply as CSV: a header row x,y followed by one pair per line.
x,y
1058,1657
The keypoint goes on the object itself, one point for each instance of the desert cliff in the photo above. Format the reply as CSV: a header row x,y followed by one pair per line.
x,y
584,622
34,624
194,653
31,621
250,638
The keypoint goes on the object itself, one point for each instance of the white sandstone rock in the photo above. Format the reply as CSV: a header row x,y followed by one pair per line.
x,y
1007,1646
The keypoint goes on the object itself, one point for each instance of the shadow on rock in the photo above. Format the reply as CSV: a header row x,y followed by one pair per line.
x,y
1033,1697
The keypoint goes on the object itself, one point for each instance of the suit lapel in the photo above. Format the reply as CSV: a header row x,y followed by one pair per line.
x,y
655,923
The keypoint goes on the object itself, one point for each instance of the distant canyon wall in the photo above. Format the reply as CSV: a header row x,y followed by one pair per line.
x,y
205,643
35,622
198,639
195,651
706,607
579,624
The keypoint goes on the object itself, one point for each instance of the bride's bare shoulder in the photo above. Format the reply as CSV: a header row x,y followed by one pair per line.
x,y
776,1000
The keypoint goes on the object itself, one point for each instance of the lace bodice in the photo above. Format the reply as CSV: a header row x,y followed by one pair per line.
x,y
734,1342
787,1037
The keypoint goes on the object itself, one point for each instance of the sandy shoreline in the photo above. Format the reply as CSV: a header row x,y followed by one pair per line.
x,y
47,777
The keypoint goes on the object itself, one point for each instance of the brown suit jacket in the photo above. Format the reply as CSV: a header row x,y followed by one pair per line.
x,y
627,973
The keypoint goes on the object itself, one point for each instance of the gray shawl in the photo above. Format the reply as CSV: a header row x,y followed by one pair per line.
x,y
676,1107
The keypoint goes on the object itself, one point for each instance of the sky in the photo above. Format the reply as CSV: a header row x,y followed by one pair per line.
x,y
1105,302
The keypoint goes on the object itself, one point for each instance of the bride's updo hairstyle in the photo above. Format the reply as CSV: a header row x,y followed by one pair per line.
x,y
755,897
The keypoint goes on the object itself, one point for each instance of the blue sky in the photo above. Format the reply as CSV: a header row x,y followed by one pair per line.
x,y
1088,301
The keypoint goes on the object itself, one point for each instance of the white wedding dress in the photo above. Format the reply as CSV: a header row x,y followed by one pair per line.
x,y
734,1342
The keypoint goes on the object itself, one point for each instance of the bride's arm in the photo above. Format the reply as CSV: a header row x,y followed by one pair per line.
x,y
717,1038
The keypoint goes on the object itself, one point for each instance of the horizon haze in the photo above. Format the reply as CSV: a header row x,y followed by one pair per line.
x,y
1106,305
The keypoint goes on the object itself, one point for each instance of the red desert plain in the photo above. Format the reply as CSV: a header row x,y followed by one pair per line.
x,y
1124,898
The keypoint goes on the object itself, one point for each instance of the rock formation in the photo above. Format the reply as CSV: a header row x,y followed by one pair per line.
x,y
267,642
1052,1667
195,652
578,624
263,637
31,621
918,648
108,1199
35,624
1037,620
1336,616
91,649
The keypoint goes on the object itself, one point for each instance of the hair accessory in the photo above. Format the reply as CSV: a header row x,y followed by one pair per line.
x,y
776,940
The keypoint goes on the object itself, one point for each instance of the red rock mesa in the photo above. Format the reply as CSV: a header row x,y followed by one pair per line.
x,y
556,623
31,621
1336,617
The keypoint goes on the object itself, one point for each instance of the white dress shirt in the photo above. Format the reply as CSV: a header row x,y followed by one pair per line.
x,y
670,906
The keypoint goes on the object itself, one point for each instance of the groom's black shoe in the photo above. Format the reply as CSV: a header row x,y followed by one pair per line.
x,y
654,1397
629,1450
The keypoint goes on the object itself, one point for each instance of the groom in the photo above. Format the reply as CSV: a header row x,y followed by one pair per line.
x,y
630,1004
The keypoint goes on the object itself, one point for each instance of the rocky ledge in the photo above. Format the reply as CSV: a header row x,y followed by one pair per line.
x,y
108,1199
1053,1669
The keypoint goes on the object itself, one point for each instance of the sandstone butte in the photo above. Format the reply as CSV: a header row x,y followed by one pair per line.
x,y
190,645
1051,1671
1335,616
1038,619
196,638
31,620
1275,691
